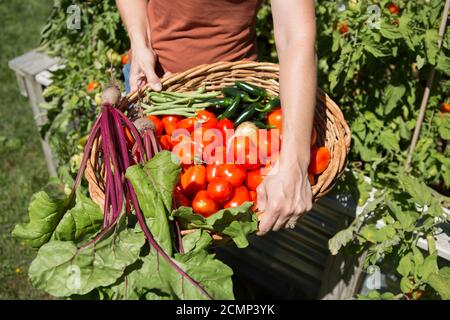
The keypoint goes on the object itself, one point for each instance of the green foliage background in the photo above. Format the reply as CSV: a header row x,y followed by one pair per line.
x,y
376,75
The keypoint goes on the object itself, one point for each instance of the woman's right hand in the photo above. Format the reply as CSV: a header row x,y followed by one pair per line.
x,y
142,69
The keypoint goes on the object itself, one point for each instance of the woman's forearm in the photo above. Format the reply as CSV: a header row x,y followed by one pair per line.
x,y
298,97
295,33
134,17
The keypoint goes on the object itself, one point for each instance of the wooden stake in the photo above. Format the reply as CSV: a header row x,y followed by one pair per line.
x,y
426,94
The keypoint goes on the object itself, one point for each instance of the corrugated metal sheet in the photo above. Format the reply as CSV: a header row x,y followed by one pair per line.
x,y
288,264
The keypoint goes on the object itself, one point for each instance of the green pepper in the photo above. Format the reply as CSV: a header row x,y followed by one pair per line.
x,y
247,114
231,110
233,92
219,103
262,125
261,116
252,89
272,104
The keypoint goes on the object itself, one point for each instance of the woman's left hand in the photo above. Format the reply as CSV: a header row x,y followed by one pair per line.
x,y
283,197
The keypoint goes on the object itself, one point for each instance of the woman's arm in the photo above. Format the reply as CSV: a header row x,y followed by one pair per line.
x,y
286,194
143,59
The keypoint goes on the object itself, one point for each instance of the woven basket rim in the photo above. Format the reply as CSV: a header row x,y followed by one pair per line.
x,y
334,132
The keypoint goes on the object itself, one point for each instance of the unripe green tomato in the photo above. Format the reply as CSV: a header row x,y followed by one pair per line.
x,y
98,98
116,58
353,5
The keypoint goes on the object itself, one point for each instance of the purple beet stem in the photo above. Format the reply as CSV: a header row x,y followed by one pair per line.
x,y
112,135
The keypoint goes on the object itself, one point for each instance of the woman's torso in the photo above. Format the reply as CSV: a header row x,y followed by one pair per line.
x,y
187,33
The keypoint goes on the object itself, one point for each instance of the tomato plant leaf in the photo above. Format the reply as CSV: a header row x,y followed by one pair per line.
x,y
441,282
406,285
405,266
428,267
340,239
417,189
392,96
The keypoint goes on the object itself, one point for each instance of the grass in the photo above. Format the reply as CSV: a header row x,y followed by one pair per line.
x,y
23,170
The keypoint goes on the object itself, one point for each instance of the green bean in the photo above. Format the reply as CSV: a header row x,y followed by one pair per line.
x,y
178,112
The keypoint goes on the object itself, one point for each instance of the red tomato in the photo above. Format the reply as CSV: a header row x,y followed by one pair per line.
x,y
187,151
204,205
179,198
187,123
343,27
125,58
225,125
275,119
269,144
218,155
445,107
193,180
393,8
92,86
241,195
205,136
254,200
179,135
230,172
239,145
206,119
165,142
254,179
158,124
170,123
220,190
320,158
249,160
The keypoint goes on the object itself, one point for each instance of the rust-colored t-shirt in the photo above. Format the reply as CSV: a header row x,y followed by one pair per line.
x,y
187,33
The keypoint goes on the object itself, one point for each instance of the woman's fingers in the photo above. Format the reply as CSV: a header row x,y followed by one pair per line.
x,y
267,222
167,74
261,197
152,79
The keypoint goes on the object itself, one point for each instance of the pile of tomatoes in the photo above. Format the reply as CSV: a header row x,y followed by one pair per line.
x,y
219,168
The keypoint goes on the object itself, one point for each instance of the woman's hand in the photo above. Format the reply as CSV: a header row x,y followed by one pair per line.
x,y
142,69
143,58
284,196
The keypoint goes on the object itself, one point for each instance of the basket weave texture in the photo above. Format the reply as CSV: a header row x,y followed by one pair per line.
x,y
332,129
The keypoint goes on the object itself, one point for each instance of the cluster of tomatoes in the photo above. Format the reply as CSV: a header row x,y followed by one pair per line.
x,y
218,169
221,169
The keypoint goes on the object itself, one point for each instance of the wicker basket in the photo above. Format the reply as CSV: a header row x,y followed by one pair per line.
x,y
332,130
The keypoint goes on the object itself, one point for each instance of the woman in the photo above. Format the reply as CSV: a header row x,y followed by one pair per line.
x,y
172,36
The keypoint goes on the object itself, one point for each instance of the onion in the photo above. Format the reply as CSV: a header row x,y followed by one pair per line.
x,y
247,129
